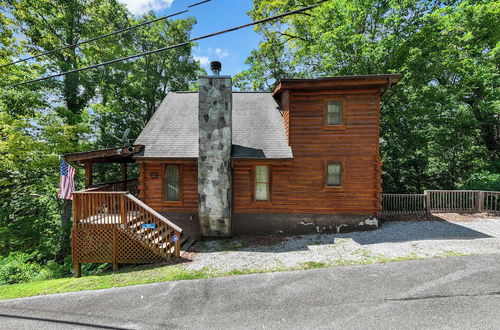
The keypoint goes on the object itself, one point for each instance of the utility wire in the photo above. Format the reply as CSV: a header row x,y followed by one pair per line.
x,y
198,3
173,46
103,36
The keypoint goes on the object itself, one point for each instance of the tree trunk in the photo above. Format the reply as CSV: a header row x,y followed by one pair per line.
x,y
64,247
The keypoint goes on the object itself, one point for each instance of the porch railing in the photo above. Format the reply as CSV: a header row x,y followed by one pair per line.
x,y
129,185
441,201
108,224
403,203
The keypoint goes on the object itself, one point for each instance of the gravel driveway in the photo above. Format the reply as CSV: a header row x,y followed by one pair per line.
x,y
392,241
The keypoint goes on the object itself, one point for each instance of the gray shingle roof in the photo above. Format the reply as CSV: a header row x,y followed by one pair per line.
x,y
258,128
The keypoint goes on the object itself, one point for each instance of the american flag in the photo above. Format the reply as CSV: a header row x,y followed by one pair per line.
x,y
66,182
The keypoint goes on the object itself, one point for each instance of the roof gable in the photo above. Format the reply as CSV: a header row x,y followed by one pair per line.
x,y
258,128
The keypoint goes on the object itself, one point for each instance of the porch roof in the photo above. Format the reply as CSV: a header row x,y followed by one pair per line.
x,y
112,155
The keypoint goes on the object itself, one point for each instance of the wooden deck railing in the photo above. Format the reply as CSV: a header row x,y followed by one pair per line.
x,y
131,186
452,200
441,201
491,201
403,203
108,225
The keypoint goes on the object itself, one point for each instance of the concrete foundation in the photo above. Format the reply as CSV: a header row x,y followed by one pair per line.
x,y
289,223
279,223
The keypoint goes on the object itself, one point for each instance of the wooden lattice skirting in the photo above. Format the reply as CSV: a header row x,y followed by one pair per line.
x,y
110,245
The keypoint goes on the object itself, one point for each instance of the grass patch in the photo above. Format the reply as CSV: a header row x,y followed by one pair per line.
x,y
313,265
125,277
229,245
149,274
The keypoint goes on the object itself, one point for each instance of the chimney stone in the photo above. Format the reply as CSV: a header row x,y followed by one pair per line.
x,y
214,156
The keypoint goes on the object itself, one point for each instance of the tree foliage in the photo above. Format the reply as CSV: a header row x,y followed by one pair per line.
x,y
440,124
76,112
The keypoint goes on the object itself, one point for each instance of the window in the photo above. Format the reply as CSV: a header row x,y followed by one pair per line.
x,y
172,183
261,183
334,113
334,175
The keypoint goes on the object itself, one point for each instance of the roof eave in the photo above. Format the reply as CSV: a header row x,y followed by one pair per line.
x,y
112,155
340,82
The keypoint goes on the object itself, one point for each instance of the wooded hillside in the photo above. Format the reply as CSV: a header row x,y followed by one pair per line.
x,y
76,112
440,123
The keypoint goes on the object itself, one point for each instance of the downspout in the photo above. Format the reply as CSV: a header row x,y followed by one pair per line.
x,y
389,84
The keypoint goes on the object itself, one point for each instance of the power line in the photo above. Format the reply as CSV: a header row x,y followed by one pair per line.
x,y
103,36
198,3
173,46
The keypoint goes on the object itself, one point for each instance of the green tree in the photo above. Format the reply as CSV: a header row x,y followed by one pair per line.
x,y
75,112
440,123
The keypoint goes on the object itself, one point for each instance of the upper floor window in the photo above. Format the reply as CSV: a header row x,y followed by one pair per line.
x,y
261,183
334,113
334,175
172,183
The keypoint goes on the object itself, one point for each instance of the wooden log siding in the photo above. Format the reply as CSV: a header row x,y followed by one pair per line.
x,y
151,187
298,185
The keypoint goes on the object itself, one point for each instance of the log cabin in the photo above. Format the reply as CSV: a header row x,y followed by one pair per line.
x,y
303,158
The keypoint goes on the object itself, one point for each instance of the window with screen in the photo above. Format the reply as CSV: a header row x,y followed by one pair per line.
x,y
261,183
334,113
172,183
334,175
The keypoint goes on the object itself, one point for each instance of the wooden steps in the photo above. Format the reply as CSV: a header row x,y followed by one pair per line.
x,y
109,227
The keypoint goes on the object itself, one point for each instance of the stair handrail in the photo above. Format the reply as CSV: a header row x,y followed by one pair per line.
x,y
153,212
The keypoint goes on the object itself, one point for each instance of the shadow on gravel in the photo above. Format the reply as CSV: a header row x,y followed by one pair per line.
x,y
388,232
414,231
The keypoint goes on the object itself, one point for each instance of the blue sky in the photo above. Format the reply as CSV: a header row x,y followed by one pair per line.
x,y
231,49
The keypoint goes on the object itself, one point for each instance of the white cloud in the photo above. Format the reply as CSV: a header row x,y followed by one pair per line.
x,y
203,60
221,53
139,7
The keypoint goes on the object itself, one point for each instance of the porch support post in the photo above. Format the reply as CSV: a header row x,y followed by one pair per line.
x,y
124,176
88,174
78,269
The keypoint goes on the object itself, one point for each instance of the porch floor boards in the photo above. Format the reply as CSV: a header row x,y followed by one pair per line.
x,y
110,219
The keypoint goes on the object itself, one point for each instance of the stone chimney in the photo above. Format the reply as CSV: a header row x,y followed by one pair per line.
x,y
214,156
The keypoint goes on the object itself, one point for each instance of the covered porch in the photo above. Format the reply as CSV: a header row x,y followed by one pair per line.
x,y
120,155
110,224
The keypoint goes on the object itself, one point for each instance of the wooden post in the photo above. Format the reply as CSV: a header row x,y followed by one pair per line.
x,y
427,201
76,208
124,176
77,267
88,175
178,245
115,247
123,210
479,201
78,270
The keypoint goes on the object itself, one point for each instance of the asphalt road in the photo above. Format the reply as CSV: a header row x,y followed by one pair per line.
x,y
458,293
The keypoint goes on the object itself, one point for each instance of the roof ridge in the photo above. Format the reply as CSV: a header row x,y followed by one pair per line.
x,y
239,92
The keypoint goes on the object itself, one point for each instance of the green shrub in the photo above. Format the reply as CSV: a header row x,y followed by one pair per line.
x,y
20,267
17,267
484,181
